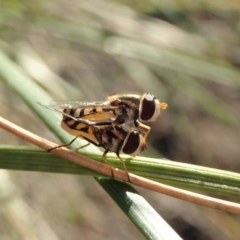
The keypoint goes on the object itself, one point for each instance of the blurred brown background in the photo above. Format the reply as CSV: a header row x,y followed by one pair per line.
x,y
187,54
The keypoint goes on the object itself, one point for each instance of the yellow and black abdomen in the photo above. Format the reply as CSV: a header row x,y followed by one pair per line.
x,y
76,128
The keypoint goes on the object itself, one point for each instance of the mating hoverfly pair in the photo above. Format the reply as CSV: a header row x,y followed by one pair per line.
x,y
114,124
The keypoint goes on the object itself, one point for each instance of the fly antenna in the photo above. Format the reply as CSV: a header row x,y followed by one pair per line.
x,y
163,105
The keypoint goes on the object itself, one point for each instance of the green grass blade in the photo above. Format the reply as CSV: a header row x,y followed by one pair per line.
x,y
138,210
186,176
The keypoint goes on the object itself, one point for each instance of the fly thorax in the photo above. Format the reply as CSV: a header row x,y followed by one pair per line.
x,y
105,137
130,113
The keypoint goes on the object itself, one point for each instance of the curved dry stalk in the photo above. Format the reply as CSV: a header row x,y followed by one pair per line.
x,y
119,174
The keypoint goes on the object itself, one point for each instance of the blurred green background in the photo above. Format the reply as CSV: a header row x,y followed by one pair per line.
x,y
185,53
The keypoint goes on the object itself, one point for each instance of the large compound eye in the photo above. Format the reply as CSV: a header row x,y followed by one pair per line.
x,y
134,143
149,109
131,142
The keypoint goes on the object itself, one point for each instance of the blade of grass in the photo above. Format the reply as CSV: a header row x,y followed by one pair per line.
x,y
176,174
124,199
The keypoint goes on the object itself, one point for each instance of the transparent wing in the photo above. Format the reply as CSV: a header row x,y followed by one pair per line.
x,y
75,105
97,117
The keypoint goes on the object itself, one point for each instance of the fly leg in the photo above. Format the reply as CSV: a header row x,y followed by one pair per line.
x,y
124,165
143,129
87,144
125,168
63,145
68,144
105,160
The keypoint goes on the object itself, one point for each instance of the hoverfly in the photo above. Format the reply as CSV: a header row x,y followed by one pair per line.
x,y
117,139
126,109
145,107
